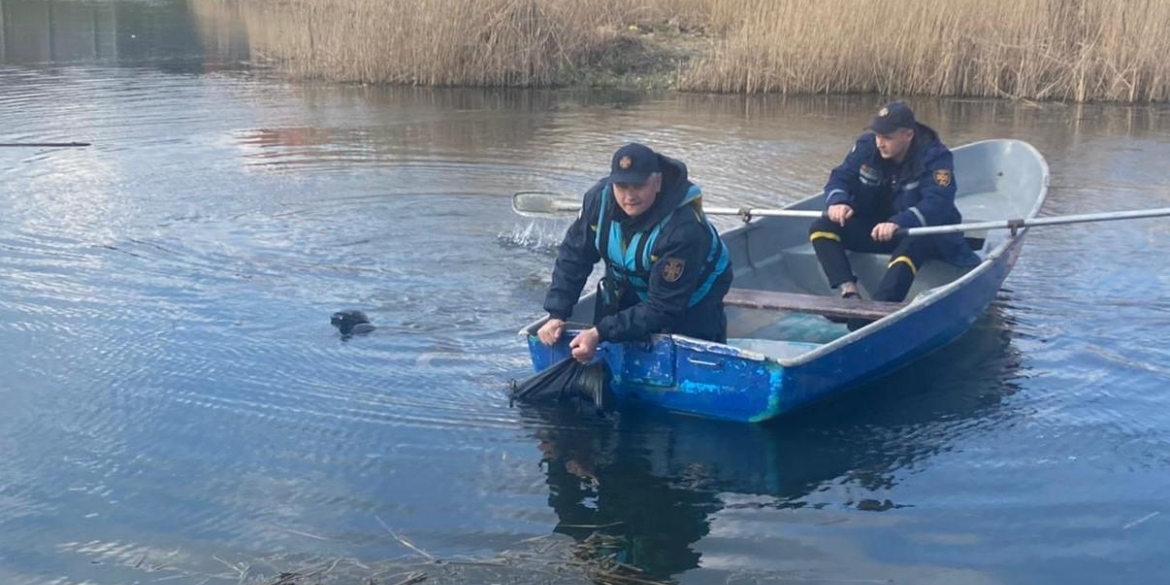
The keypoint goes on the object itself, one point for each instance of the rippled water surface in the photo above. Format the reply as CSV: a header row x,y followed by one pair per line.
x,y
176,406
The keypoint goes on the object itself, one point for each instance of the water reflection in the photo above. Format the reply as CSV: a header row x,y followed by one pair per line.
x,y
171,368
651,482
159,33
405,126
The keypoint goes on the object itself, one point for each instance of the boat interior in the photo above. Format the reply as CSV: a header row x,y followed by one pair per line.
x,y
780,300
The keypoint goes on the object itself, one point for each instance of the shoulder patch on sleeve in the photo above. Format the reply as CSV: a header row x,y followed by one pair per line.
x,y
942,177
672,269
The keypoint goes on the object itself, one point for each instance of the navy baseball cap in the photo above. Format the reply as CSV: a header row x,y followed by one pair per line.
x,y
633,163
892,116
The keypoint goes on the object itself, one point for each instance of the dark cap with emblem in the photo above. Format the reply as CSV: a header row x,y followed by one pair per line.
x,y
892,116
632,163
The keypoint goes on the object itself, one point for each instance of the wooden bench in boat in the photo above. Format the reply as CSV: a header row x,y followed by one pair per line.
x,y
831,306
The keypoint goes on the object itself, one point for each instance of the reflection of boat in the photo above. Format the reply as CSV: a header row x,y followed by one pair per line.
x,y
780,357
651,481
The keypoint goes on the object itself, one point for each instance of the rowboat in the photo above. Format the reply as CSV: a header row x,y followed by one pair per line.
x,y
782,353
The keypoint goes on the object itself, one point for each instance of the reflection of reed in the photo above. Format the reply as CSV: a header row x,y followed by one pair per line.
x,y
40,31
1078,50
220,26
69,32
406,125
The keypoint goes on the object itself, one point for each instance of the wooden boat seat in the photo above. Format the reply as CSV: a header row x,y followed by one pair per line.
x,y
831,306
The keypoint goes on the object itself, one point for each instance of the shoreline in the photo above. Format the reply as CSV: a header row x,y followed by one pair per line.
x,y
1030,50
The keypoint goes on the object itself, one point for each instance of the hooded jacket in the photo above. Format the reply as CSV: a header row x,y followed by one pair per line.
x,y
675,267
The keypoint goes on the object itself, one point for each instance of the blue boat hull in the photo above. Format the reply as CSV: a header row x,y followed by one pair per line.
x,y
725,382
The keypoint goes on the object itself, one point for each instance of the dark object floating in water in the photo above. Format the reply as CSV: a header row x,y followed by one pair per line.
x,y
351,322
46,144
870,505
567,381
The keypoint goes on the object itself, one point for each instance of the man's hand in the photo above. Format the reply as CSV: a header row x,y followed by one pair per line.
x,y
840,213
884,232
551,331
584,345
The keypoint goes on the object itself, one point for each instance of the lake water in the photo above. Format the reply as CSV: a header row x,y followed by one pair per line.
x,y
177,408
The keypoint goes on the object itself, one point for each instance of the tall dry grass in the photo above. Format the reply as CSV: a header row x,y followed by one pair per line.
x,y
443,42
1079,50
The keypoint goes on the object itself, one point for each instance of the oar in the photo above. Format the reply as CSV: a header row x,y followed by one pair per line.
x,y
544,204
45,144
1015,224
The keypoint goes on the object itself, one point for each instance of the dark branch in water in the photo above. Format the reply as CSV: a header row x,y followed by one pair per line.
x,y
45,144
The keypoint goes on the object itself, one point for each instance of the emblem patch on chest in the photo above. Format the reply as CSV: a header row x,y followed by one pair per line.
x,y
672,269
869,175
942,177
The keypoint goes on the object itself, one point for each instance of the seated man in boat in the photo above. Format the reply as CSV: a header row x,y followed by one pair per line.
x,y
898,175
666,270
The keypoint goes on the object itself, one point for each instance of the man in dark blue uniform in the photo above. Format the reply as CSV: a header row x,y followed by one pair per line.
x,y
666,270
898,175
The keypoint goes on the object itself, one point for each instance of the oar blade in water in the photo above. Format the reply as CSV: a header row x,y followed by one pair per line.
x,y
542,204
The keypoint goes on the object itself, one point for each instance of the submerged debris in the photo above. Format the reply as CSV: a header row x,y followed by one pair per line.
x,y
550,559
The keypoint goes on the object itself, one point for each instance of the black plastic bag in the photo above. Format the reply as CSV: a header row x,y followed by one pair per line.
x,y
567,381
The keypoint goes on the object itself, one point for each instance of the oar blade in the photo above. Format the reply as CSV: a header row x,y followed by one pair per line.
x,y
543,204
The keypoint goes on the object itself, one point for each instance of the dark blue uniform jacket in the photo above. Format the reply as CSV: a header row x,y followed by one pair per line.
x,y
685,289
918,192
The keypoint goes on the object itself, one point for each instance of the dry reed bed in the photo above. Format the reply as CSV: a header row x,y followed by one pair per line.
x,y
1078,50
513,43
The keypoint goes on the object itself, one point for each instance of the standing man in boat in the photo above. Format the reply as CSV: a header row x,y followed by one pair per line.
x,y
899,174
666,269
